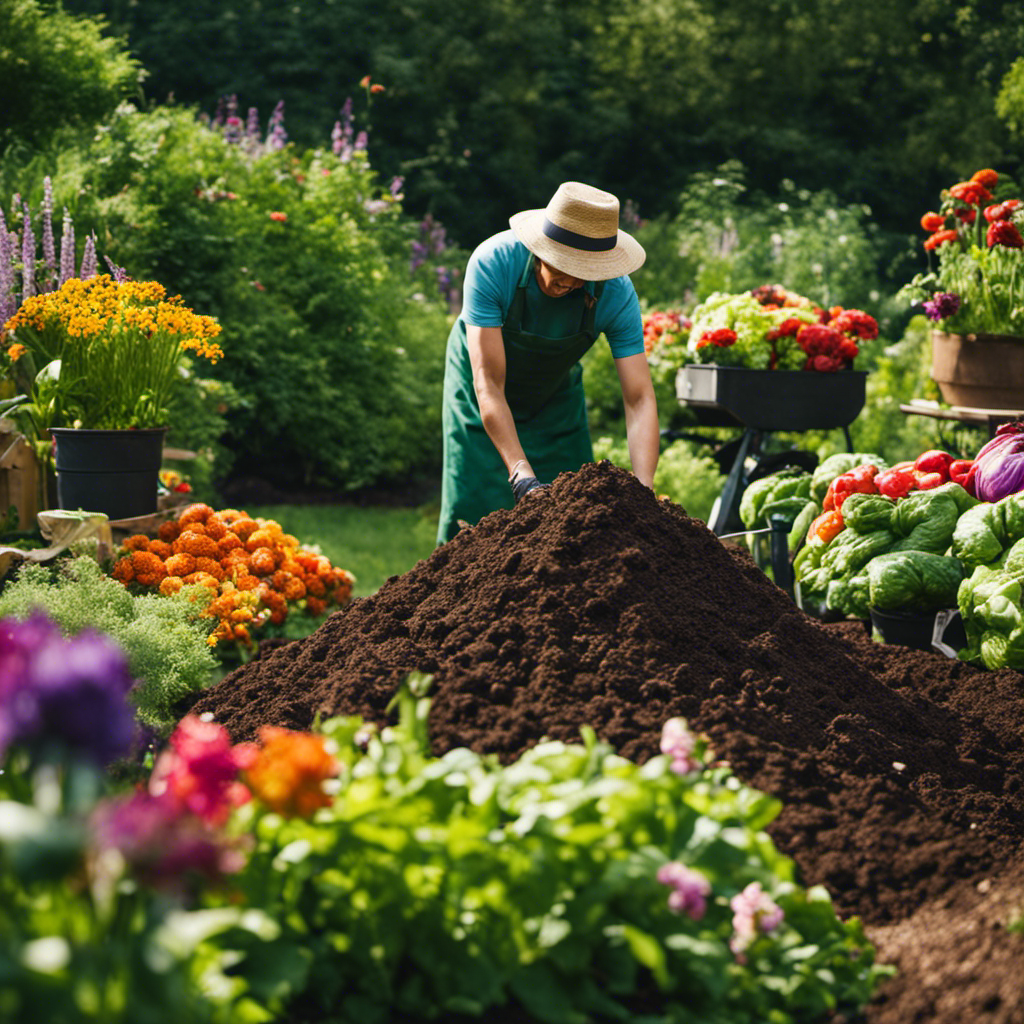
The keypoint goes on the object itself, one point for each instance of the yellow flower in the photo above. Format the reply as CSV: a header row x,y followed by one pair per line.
x,y
289,772
16,351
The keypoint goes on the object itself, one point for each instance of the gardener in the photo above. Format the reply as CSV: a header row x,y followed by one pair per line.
x,y
536,298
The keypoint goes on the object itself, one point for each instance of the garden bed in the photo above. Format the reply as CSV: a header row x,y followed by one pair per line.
x,y
595,603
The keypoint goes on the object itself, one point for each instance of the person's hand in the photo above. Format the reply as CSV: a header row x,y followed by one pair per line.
x,y
524,485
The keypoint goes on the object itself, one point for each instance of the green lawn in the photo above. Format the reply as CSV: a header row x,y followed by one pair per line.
x,y
372,543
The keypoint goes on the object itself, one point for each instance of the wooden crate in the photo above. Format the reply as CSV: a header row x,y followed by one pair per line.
x,y
19,479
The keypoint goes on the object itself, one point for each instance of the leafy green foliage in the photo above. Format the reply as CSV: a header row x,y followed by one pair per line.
x,y
164,638
454,885
58,69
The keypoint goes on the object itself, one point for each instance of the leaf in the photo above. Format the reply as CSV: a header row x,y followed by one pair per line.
x,y
650,952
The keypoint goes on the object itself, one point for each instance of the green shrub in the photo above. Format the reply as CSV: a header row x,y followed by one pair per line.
x,y
163,637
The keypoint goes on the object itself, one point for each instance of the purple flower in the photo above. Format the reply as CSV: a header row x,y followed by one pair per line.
x,y
942,305
276,135
119,274
49,254
8,297
252,125
690,889
28,257
89,265
754,912
67,249
71,691
361,142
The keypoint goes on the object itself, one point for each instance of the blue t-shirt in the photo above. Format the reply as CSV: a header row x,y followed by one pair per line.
x,y
493,273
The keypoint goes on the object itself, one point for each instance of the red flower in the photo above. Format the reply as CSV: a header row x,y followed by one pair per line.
x,y
787,329
364,82
968,214
857,323
986,177
1001,211
1003,233
933,222
824,364
278,215
820,339
972,192
376,87
722,337
940,238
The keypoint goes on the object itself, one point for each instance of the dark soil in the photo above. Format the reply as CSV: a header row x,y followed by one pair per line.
x,y
594,603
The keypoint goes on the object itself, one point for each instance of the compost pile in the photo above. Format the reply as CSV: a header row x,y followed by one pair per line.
x,y
596,603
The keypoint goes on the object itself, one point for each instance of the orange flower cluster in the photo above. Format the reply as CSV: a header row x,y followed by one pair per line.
x,y
289,771
255,570
665,327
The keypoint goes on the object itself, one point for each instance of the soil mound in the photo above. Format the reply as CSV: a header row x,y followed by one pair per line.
x,y
595,603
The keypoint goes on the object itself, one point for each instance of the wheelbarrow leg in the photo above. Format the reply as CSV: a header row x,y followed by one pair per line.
x,y
726,517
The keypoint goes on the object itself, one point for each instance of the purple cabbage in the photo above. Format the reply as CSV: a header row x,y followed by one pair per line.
x,y
999,466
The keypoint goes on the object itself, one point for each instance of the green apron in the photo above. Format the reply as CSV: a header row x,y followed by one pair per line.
x,y
544,391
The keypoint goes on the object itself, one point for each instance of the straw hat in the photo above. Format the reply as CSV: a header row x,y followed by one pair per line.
x,y
579,234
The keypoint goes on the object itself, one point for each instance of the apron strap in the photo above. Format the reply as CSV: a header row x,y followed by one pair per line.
x,y
514,317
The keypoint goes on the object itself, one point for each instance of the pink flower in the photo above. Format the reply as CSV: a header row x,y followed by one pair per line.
x,y
754,913
200,770
679,743
690,889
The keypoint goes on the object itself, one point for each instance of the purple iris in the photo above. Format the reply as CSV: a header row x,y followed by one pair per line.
x,y
942,305
69,691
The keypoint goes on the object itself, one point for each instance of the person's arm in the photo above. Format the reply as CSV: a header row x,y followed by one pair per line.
x,y
643,433
487,358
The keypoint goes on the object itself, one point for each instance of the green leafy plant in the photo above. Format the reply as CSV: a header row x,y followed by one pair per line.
x,y
165,640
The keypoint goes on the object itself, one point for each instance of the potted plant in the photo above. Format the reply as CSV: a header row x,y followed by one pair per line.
x,y
974,293
770,358
98,359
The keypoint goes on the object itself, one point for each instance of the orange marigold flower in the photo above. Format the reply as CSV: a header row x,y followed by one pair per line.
x,y
123,571
972,192
315,606
933,222
315,586
289,540
215,528
16,351
294,589
986,177
341,593
278,615
229,542
136,542
289,772
170,585
198,512
261,538
145,563
169,531
196,544
244,528
237,560
161,549
202,579
241,615
227,516
280,579
262,562
940,238
246,582
241,633
210,565
180,564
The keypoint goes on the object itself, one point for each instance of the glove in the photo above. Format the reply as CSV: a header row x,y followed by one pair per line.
x,y
523,485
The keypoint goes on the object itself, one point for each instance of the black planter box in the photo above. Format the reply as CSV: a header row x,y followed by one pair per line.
x,y
772,399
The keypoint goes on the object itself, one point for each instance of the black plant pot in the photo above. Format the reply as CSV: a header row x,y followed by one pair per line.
x,y
112,471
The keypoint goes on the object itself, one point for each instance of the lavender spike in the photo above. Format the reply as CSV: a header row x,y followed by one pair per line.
x,y
8,297
49,253
28,256
89,265
67,249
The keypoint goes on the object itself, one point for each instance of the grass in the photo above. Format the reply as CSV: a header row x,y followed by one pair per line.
x,y
373,543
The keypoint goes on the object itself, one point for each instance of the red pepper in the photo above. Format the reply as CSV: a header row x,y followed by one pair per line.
x,y
826,526
859,480
926,481
896,483
934,461
959,470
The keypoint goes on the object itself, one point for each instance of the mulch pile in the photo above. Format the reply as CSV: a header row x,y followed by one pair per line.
x,y
595,603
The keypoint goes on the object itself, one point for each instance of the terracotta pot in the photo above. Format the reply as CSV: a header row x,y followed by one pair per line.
x,y
983,371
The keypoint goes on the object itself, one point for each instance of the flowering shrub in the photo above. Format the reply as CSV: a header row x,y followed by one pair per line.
x,y
111,349
770,328
976,237
252,572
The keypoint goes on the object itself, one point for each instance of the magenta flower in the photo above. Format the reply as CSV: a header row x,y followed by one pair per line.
x,y
679,744
72,691
690,889
942,305
754,913
199,771
161,846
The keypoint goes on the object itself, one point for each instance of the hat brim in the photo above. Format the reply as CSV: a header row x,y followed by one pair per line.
x,y
627,256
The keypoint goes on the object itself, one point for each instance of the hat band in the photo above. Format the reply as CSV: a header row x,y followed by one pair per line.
x,y
571,238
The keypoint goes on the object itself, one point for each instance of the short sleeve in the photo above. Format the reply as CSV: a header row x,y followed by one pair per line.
x,y
619,319
492,275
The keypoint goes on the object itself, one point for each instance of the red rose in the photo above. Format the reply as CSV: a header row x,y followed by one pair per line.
x,y
940,238
1003,233
856,322
972,192
787,329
